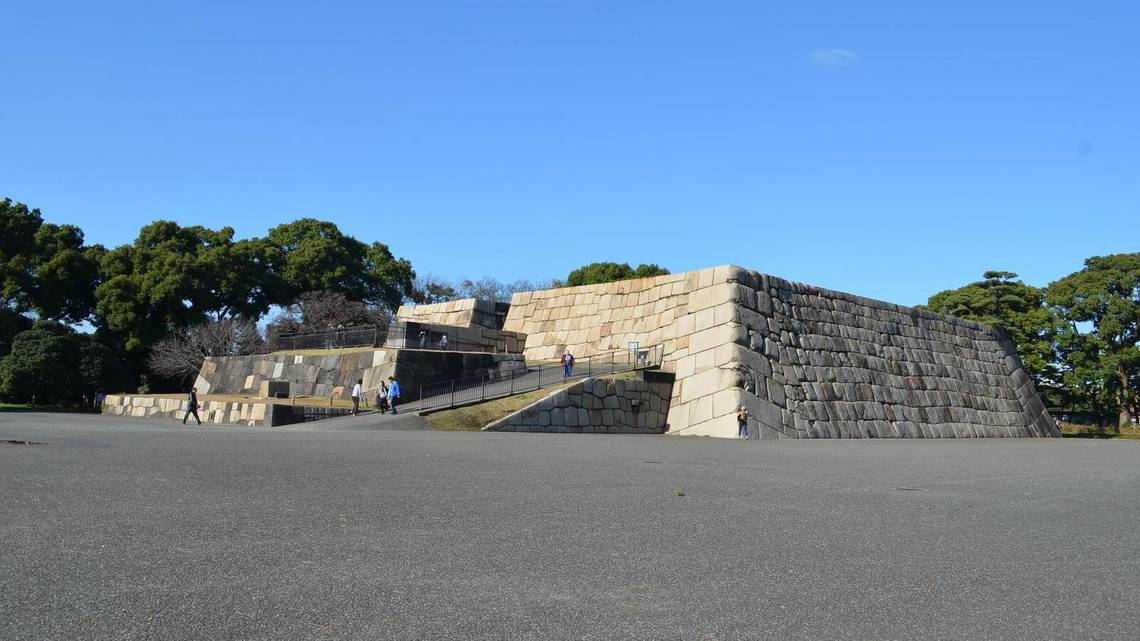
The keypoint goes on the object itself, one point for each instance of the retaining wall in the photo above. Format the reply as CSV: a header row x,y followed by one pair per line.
x,y
596,405
318,374
809,362
218,412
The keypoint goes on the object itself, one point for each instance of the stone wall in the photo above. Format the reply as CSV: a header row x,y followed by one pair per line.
x,y
598,406
406,335
314,373
217,412
469,312
808,362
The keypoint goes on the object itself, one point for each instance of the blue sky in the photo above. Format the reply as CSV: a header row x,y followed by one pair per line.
x,y
889,149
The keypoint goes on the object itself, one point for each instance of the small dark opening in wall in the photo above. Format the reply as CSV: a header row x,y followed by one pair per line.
x,y
17,441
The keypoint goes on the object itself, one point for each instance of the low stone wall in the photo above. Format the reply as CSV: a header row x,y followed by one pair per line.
x,y
319,375
597,406
217,412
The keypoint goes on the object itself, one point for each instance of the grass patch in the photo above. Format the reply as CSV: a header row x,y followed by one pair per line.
x,y
472,418
1074,430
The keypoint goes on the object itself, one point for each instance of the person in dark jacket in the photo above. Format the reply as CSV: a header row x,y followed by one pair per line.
x,y
192,406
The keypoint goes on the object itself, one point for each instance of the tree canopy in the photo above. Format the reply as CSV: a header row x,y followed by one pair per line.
x,y
313,255
594,273
1001,300
1104,297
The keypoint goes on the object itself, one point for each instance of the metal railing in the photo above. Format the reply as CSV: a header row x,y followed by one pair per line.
x,y
424,337
375,335
358,336
489,386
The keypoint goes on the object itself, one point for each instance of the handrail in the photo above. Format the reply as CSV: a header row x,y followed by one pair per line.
x,y
487,386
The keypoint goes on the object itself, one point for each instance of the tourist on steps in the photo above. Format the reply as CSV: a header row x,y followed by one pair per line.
x,y
567,364
356,396
192,406
742,423
393,393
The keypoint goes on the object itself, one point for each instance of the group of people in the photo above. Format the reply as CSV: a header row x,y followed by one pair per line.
x,y
386,396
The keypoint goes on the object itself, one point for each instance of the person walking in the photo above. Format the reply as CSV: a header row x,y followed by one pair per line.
x,y
567,364
393,393
192,406
356,396
382,398
742,423
423,339
443,342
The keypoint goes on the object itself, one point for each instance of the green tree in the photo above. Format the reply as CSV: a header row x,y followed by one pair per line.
x,y
1019,309
1101,304
18,227
609,272
172,277
52,363
45,267
11,324
314,255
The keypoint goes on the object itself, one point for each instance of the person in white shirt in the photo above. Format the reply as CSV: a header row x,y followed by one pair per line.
x,y
356,396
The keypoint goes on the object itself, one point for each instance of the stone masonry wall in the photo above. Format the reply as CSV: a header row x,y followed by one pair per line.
x,y
468,312
808,362
473,338
598,406
319,374
217,412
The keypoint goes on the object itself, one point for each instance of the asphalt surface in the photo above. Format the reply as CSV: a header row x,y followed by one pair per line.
x,y
370,528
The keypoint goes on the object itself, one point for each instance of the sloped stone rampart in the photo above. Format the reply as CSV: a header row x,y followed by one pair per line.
x,y
596,406
808,362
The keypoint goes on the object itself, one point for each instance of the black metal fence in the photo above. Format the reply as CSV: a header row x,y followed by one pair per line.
x,y
417,336
414,337
359,336
489,386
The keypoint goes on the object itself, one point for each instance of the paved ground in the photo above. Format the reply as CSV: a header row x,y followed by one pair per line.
x,y
120,529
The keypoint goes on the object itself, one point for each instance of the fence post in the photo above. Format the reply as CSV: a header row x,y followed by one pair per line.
x,y
483,395
453,392
611,362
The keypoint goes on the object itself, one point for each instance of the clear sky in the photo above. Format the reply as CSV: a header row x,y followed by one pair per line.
x,y
889,149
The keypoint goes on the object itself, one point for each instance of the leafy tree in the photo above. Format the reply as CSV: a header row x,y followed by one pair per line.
x,y
45,267
1105,298
610,272
1019,309
173,277
51,363
65,274
11,324
100,370
18,227
314,255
